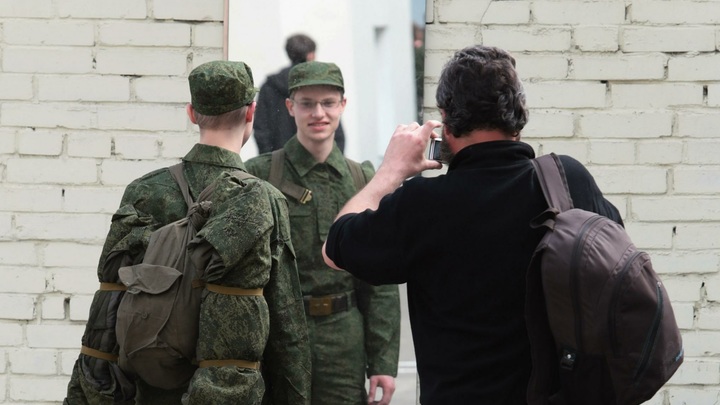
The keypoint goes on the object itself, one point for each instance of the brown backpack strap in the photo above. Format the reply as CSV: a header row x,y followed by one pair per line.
x,y
98,354
277,164
356,173
554,184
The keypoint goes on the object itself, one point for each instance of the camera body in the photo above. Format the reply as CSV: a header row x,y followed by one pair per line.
x,y
434,149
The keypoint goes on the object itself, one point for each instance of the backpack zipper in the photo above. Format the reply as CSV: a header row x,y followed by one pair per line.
x,y
574,266
649,346
615,299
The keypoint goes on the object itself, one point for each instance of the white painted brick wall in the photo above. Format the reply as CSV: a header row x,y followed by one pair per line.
x,y
462,10
686,263
94,144
93,92
654,96
32,361
565,95
668,39
106,9
22,280
17,306
11,334
623,124
694,67
665,151
42,32
507,12
25,389
596,38
675,12
579,12
16,87
209,34
633,67
162,90
697,180
22,8
124,61
59,254
83,88
523,39
53,307
80,307
542,67
144,34
40,143
27,59
697,124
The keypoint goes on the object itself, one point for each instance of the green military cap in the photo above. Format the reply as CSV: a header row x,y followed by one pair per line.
x,y
315,74
221,86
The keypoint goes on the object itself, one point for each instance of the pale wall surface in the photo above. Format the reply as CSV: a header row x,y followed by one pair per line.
x,y
92,95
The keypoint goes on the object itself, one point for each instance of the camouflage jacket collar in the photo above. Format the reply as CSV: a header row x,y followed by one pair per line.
x,y
214,155
304,162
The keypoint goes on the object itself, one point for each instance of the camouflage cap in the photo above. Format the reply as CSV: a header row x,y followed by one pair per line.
x,y
315,74
221,86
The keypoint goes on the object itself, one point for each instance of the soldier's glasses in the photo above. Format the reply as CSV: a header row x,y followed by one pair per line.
x,y
310,105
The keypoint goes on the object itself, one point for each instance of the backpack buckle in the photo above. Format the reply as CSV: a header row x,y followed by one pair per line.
x,y
567,360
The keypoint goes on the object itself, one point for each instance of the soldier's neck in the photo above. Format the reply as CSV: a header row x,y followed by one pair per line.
x,y
230,139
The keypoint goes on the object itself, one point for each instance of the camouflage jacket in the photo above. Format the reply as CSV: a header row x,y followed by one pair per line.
x,y
249,232
332,186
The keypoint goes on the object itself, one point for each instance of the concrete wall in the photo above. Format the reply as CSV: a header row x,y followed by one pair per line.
x,y
92,94
632,89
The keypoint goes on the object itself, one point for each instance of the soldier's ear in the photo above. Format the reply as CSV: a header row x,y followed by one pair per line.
x,y
191,113
250,113
288,105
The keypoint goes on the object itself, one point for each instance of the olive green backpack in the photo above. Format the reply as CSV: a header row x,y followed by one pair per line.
x,y
158,316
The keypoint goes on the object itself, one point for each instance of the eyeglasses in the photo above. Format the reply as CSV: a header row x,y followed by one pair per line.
x,y
310,105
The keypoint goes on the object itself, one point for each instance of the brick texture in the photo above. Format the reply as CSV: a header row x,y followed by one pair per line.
x,y
93,94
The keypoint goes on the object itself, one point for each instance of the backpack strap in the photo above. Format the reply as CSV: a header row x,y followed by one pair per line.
x,y
554,184
176,171
356,173
277,164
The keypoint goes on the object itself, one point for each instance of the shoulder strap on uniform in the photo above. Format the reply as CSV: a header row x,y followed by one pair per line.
x,y
356,173
277,165
552,178
176,171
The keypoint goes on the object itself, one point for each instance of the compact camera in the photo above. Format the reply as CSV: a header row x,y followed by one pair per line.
x,y
434,150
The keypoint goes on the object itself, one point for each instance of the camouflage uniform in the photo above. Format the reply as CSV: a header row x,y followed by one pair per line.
x,y
350,344
249,234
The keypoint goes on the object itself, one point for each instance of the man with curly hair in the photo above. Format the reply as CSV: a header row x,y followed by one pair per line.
x,y
461,241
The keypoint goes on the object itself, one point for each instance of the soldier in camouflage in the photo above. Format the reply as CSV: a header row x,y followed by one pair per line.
x,y
354,327
248,235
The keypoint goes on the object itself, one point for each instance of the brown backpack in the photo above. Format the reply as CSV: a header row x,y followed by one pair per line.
x,y
158,316
599,319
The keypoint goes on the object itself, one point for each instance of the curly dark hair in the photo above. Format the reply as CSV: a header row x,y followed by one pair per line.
x,y
479,89
298,47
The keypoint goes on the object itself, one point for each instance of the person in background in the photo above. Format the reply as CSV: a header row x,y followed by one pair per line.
x,y
273,125
461,241
354,327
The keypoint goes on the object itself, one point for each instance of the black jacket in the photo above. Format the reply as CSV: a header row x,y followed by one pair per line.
x,y
462,242
273,125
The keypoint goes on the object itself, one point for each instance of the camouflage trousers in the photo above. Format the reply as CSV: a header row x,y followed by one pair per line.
x,y
338,358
